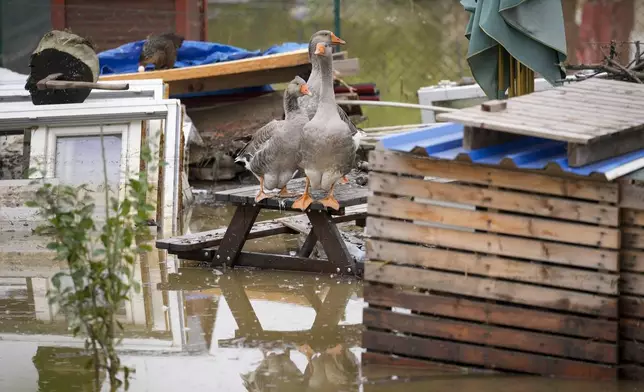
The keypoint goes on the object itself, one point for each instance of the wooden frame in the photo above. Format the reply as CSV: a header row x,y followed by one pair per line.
x,y
49,122
532,271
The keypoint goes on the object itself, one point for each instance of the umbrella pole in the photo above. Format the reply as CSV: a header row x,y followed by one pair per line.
x,y
501,80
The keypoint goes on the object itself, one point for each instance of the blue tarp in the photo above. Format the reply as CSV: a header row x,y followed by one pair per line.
x,y
125,59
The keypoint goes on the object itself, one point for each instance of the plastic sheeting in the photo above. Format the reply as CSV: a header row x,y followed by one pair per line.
x,y
125,59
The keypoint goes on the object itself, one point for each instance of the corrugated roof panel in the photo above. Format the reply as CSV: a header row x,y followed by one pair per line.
x,y
445,141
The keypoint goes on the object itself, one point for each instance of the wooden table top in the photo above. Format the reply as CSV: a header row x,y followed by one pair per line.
x,y
347,195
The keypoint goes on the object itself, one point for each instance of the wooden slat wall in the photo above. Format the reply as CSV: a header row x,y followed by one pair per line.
x,y
631,323
526,282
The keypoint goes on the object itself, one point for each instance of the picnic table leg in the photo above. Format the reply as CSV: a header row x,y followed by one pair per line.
x,y
331,239
308,245
333,308
239,304
236,234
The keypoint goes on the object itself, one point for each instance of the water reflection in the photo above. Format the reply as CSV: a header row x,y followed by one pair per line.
x,y
193,328
201,330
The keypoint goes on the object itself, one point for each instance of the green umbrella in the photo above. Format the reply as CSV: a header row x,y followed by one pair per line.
x,y
510,40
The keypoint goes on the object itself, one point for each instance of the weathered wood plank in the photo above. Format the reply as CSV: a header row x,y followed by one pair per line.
x,y
494,244
581,104
631,351
484,356
615,145
632,283
631,306
631,329
632,217
547,206
211,238
632,260
632,238
378,359
518,293
494,267
631,196
502,223
488,335
631,372
392,162
208,239
492,313
475,138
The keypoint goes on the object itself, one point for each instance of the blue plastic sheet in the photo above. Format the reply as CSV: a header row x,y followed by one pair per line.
x,y
125,59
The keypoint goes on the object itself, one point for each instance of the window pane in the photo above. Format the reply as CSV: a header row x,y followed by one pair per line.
x,y
79,161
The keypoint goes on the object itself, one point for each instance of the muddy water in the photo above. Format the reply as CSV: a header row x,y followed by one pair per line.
x,y
192,329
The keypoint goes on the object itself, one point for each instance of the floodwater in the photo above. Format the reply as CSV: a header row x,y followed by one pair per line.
x,y
194,329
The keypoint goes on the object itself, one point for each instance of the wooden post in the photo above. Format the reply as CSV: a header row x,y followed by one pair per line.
x,y
58,20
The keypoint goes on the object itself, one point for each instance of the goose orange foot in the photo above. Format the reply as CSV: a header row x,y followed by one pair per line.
x,y
329,201
344,180
261,195
304,201
285,193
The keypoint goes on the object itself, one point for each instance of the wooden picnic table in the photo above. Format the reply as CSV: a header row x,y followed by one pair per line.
x,y
223,247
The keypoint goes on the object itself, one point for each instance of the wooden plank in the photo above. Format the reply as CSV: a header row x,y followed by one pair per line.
x,y
621,143
501,245
236,234
631,329
274,61
391,162
208,239
631,306
632,217
632,260
495,105
211,238
475,138
580,103
487,335
245,79
632,352
503,223
492,313
607,121
268,261
632,238
389,361
631,196
630,372
548,206
484,356
632,283
506,123
518,293
494,267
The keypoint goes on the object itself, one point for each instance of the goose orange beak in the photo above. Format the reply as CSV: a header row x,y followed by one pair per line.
x,y
320,49
304,89
337,40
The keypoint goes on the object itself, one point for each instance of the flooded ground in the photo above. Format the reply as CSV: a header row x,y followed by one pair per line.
x,y
193,329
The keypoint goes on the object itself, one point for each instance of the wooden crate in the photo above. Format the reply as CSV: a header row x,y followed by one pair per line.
x,y
525,282
631,323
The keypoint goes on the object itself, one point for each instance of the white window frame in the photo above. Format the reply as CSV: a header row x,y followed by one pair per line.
x,y
44,119
13,91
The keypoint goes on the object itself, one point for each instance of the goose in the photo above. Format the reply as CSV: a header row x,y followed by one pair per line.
x,y
272,155
328,149
310,103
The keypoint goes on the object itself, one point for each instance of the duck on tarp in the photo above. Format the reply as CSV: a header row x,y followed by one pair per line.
x,y
125,59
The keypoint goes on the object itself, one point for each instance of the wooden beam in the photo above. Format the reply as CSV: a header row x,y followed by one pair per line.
x,y
475,138
264,63
617,144
58,20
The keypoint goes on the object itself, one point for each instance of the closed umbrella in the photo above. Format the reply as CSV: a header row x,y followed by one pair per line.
x,y
511,40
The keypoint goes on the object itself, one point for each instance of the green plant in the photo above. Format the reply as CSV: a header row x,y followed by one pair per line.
x,y
100,255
